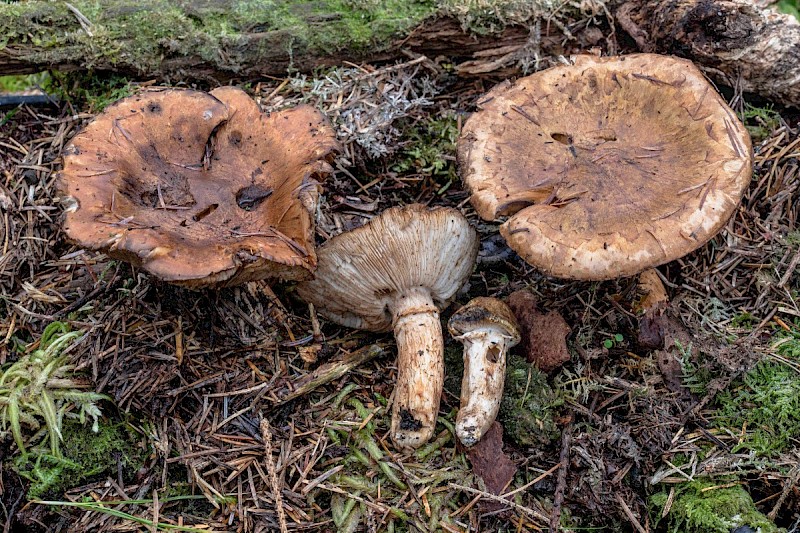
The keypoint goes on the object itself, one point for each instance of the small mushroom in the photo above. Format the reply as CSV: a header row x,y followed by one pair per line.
x,y
606,167
396,272
487,328
199,189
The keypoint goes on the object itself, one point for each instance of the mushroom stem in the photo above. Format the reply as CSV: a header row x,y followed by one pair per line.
x,y
482,385
420,367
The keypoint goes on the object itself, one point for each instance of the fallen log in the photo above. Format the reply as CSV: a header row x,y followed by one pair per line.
x,y
734,41
242,39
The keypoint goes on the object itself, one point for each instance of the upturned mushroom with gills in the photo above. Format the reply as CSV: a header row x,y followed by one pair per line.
x,y
199,189
395,273
487,328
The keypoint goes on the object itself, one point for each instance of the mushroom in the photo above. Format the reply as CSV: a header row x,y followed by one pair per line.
x,y
199,189
487,328
396,272
608,166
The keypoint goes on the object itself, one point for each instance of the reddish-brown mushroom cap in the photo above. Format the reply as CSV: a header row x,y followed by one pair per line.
x,y
608,166
199,189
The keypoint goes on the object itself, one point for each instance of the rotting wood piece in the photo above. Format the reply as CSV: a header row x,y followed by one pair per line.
x,y
735,42
199,189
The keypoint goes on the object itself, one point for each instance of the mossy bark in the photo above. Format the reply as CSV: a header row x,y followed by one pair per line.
x,y
220,40
735,42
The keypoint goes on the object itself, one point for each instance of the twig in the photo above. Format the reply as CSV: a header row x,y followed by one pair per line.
x,y
631,518
561,479
327,373
266,434
791,482
527,510
85,23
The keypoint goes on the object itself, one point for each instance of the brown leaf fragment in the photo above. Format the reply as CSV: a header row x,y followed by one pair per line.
x,y
670,370
651,331
543,335
490,463
652,305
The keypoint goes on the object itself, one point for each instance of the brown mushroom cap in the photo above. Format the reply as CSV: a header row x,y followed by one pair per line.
x,y
199,189
482,312
608,166
362,272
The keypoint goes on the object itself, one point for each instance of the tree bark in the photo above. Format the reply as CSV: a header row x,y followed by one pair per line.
x,y
737,44
207,40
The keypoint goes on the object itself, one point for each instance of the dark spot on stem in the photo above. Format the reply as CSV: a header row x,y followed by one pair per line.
x,y
408,422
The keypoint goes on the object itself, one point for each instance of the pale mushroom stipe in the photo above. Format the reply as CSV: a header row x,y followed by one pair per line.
x,y
487,328
395,273
606,167
199,189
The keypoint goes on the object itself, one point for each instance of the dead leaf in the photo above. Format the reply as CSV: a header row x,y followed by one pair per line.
x,y
544,336
490,463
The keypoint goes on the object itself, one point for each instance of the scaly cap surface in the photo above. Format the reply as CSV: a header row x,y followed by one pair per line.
x,y
608,166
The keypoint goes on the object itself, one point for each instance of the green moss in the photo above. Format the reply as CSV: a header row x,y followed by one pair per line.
x,y
89,91
765,403
706,507
430,149
40,389
492,16
790,7
696,371
139,34
529,404
85,454
760,121
24,82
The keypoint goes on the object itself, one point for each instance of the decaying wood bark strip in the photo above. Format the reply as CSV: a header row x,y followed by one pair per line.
x,y
735,42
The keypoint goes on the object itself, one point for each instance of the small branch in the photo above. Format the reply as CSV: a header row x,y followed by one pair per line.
x,y
790,483
561,478
536,515
85,23
327,373
631,518
266,434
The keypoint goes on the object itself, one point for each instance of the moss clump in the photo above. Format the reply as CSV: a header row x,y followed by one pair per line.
x,y
89,91
84,454
40,390
24,82
529,404
766,402
430,150
139,34
760,121
492,16
706,507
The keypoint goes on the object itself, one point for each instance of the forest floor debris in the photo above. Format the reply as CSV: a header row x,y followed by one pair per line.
x,y
192,374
